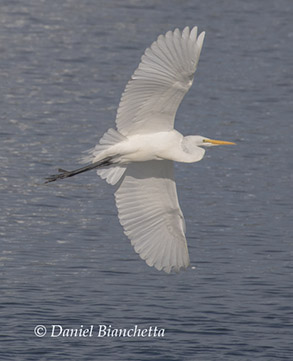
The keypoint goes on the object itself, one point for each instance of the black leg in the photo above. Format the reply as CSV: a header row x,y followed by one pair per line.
x,y
66,174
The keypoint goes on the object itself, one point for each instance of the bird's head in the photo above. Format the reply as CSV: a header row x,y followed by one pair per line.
x,y
194,146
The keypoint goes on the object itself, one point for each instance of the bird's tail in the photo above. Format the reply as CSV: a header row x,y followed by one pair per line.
x,y
113,173
110,138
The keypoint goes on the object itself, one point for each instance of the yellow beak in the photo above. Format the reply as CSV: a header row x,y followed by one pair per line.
x,y
218,142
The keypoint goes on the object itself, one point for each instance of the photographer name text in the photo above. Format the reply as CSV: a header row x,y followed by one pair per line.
x,y
100,331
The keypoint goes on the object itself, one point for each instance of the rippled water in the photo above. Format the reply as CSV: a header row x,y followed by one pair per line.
x,y
64,259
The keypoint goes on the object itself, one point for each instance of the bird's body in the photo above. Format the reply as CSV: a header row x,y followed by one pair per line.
x,y
152,146
139,155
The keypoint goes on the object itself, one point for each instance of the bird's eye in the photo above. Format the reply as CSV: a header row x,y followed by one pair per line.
x,y
204,140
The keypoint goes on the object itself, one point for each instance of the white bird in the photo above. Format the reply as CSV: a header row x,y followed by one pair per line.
x,y
140,153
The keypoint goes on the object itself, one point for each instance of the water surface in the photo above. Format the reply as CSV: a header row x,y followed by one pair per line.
x,y
64,258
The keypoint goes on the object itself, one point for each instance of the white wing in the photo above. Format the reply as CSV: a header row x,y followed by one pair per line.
x,y
150,214
157,87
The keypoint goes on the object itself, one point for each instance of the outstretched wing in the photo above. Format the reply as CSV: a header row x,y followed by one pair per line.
x,y
157,87
150,214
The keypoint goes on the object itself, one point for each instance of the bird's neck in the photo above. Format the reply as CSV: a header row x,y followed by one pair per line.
x,y
190,152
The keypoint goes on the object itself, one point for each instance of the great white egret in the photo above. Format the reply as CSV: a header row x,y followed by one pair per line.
x,y
140,153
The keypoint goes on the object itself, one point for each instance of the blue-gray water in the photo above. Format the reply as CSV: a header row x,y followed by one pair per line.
x,y
64,258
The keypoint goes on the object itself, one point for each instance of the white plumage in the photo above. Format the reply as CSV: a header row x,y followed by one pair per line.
x,y
150,214
155,90
140,153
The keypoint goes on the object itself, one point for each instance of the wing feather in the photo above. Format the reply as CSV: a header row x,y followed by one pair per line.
x,y
150,214
152,96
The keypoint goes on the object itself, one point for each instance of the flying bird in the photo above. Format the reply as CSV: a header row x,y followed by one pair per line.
x,y
138,156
